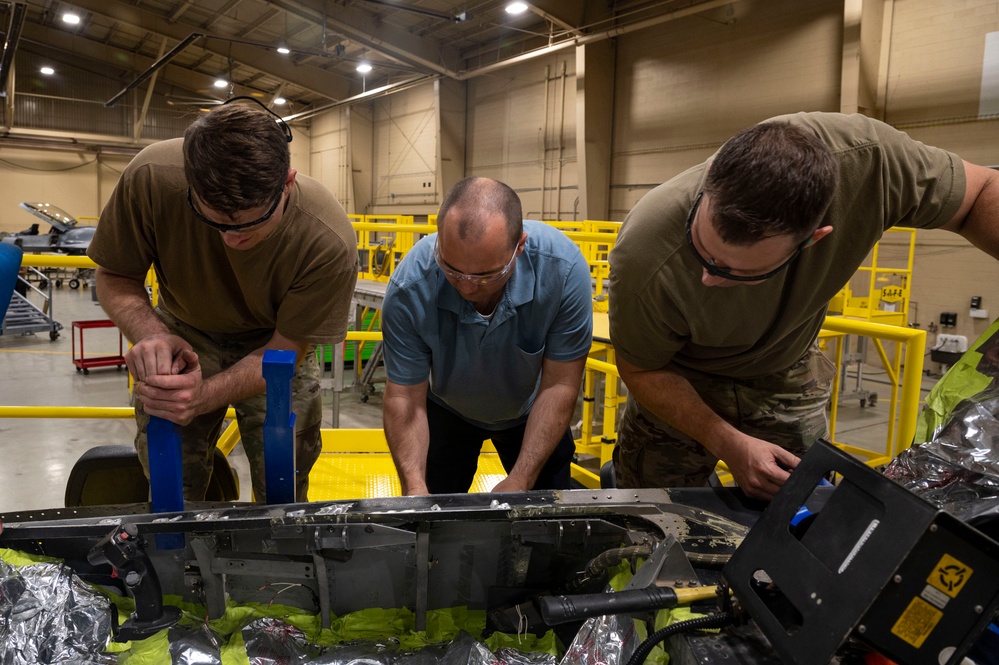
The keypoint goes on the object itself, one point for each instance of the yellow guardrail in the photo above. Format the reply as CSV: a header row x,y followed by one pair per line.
x,y
56,261
903,368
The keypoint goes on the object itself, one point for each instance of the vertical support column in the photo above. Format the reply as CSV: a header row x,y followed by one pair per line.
x,y
594,126
866,41
166,481
450,101
279,427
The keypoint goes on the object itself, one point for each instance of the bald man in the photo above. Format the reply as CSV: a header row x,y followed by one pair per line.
x,y
487,324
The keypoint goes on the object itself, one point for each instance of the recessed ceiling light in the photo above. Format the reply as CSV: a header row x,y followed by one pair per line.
x,y
71,18
364,68
283,50
280,101
48,71
516,8
220,83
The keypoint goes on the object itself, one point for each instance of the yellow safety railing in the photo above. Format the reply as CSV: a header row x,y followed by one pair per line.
x,y
597,441
56,261
382,241
904,371
903,368
888,287
595,240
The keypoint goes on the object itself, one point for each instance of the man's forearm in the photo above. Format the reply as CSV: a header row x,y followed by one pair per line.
x,y
408,436
125,300
241,381
549,419
673,399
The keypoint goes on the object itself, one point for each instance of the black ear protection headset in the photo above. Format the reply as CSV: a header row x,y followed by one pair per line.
x,y
284,126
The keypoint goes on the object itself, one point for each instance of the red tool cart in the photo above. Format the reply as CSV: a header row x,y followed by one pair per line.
x,y
83,364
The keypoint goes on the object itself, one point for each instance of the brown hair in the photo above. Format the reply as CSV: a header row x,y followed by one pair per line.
x,y
476,195
772,179
236,158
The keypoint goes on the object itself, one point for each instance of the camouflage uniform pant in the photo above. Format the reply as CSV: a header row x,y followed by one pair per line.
x,y
217,353
785,408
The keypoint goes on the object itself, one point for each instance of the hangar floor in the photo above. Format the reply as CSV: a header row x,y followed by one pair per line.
x,y
38,454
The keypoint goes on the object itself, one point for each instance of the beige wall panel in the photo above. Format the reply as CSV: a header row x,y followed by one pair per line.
x,y
686,86
329,157
522,127
935,68
947,273
976,142
80,183
300,150
404,147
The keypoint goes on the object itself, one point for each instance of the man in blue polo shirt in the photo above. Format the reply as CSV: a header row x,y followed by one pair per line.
x,y
486,327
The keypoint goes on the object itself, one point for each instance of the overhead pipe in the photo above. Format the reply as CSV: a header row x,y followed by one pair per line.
x,y
370,94
388,49
156,66
592,38
18,13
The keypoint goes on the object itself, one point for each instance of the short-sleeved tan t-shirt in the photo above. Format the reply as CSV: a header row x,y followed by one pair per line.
x,y
299,280
661,313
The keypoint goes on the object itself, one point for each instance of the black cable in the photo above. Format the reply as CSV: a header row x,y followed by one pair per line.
x,y
645,648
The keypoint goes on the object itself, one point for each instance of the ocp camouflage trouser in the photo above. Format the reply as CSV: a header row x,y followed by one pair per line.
x,y
785,408
217,353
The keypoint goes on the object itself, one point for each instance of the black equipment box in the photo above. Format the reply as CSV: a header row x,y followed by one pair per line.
x,y
873,560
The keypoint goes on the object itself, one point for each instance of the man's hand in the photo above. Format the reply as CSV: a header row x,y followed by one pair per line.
x,y
157,355
175,397
759,467
510,484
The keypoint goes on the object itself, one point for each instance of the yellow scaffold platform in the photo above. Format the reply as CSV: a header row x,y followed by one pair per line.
x,y
355,463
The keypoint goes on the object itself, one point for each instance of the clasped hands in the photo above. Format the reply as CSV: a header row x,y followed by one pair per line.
x,y
168,378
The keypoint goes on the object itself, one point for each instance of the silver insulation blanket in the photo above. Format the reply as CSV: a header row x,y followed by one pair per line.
x,y
958,470
47,616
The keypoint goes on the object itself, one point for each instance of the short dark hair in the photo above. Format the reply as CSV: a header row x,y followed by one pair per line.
x,y
236,158
772,179
476,195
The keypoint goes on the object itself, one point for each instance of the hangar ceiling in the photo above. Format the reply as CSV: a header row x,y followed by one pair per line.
x,y
185,46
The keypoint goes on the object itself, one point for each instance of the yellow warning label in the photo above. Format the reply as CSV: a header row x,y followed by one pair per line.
x,y
917,622
950,575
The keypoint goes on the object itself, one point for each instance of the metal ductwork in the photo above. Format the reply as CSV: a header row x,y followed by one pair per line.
x,y
18,13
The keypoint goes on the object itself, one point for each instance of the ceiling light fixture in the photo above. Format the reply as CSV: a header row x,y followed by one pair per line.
x,y
220,83
364,68
71,18
283,50
516,8
48,71
280,101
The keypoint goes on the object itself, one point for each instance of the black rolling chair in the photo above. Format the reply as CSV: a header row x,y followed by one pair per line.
x,y
107,475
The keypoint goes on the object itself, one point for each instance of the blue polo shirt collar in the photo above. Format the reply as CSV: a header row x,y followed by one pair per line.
x,y
518,291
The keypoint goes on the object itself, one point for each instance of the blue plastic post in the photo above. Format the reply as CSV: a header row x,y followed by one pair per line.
x,y
166,482
279,427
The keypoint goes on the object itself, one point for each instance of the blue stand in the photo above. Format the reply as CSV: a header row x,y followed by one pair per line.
x,y
279,427
166,482
10,265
